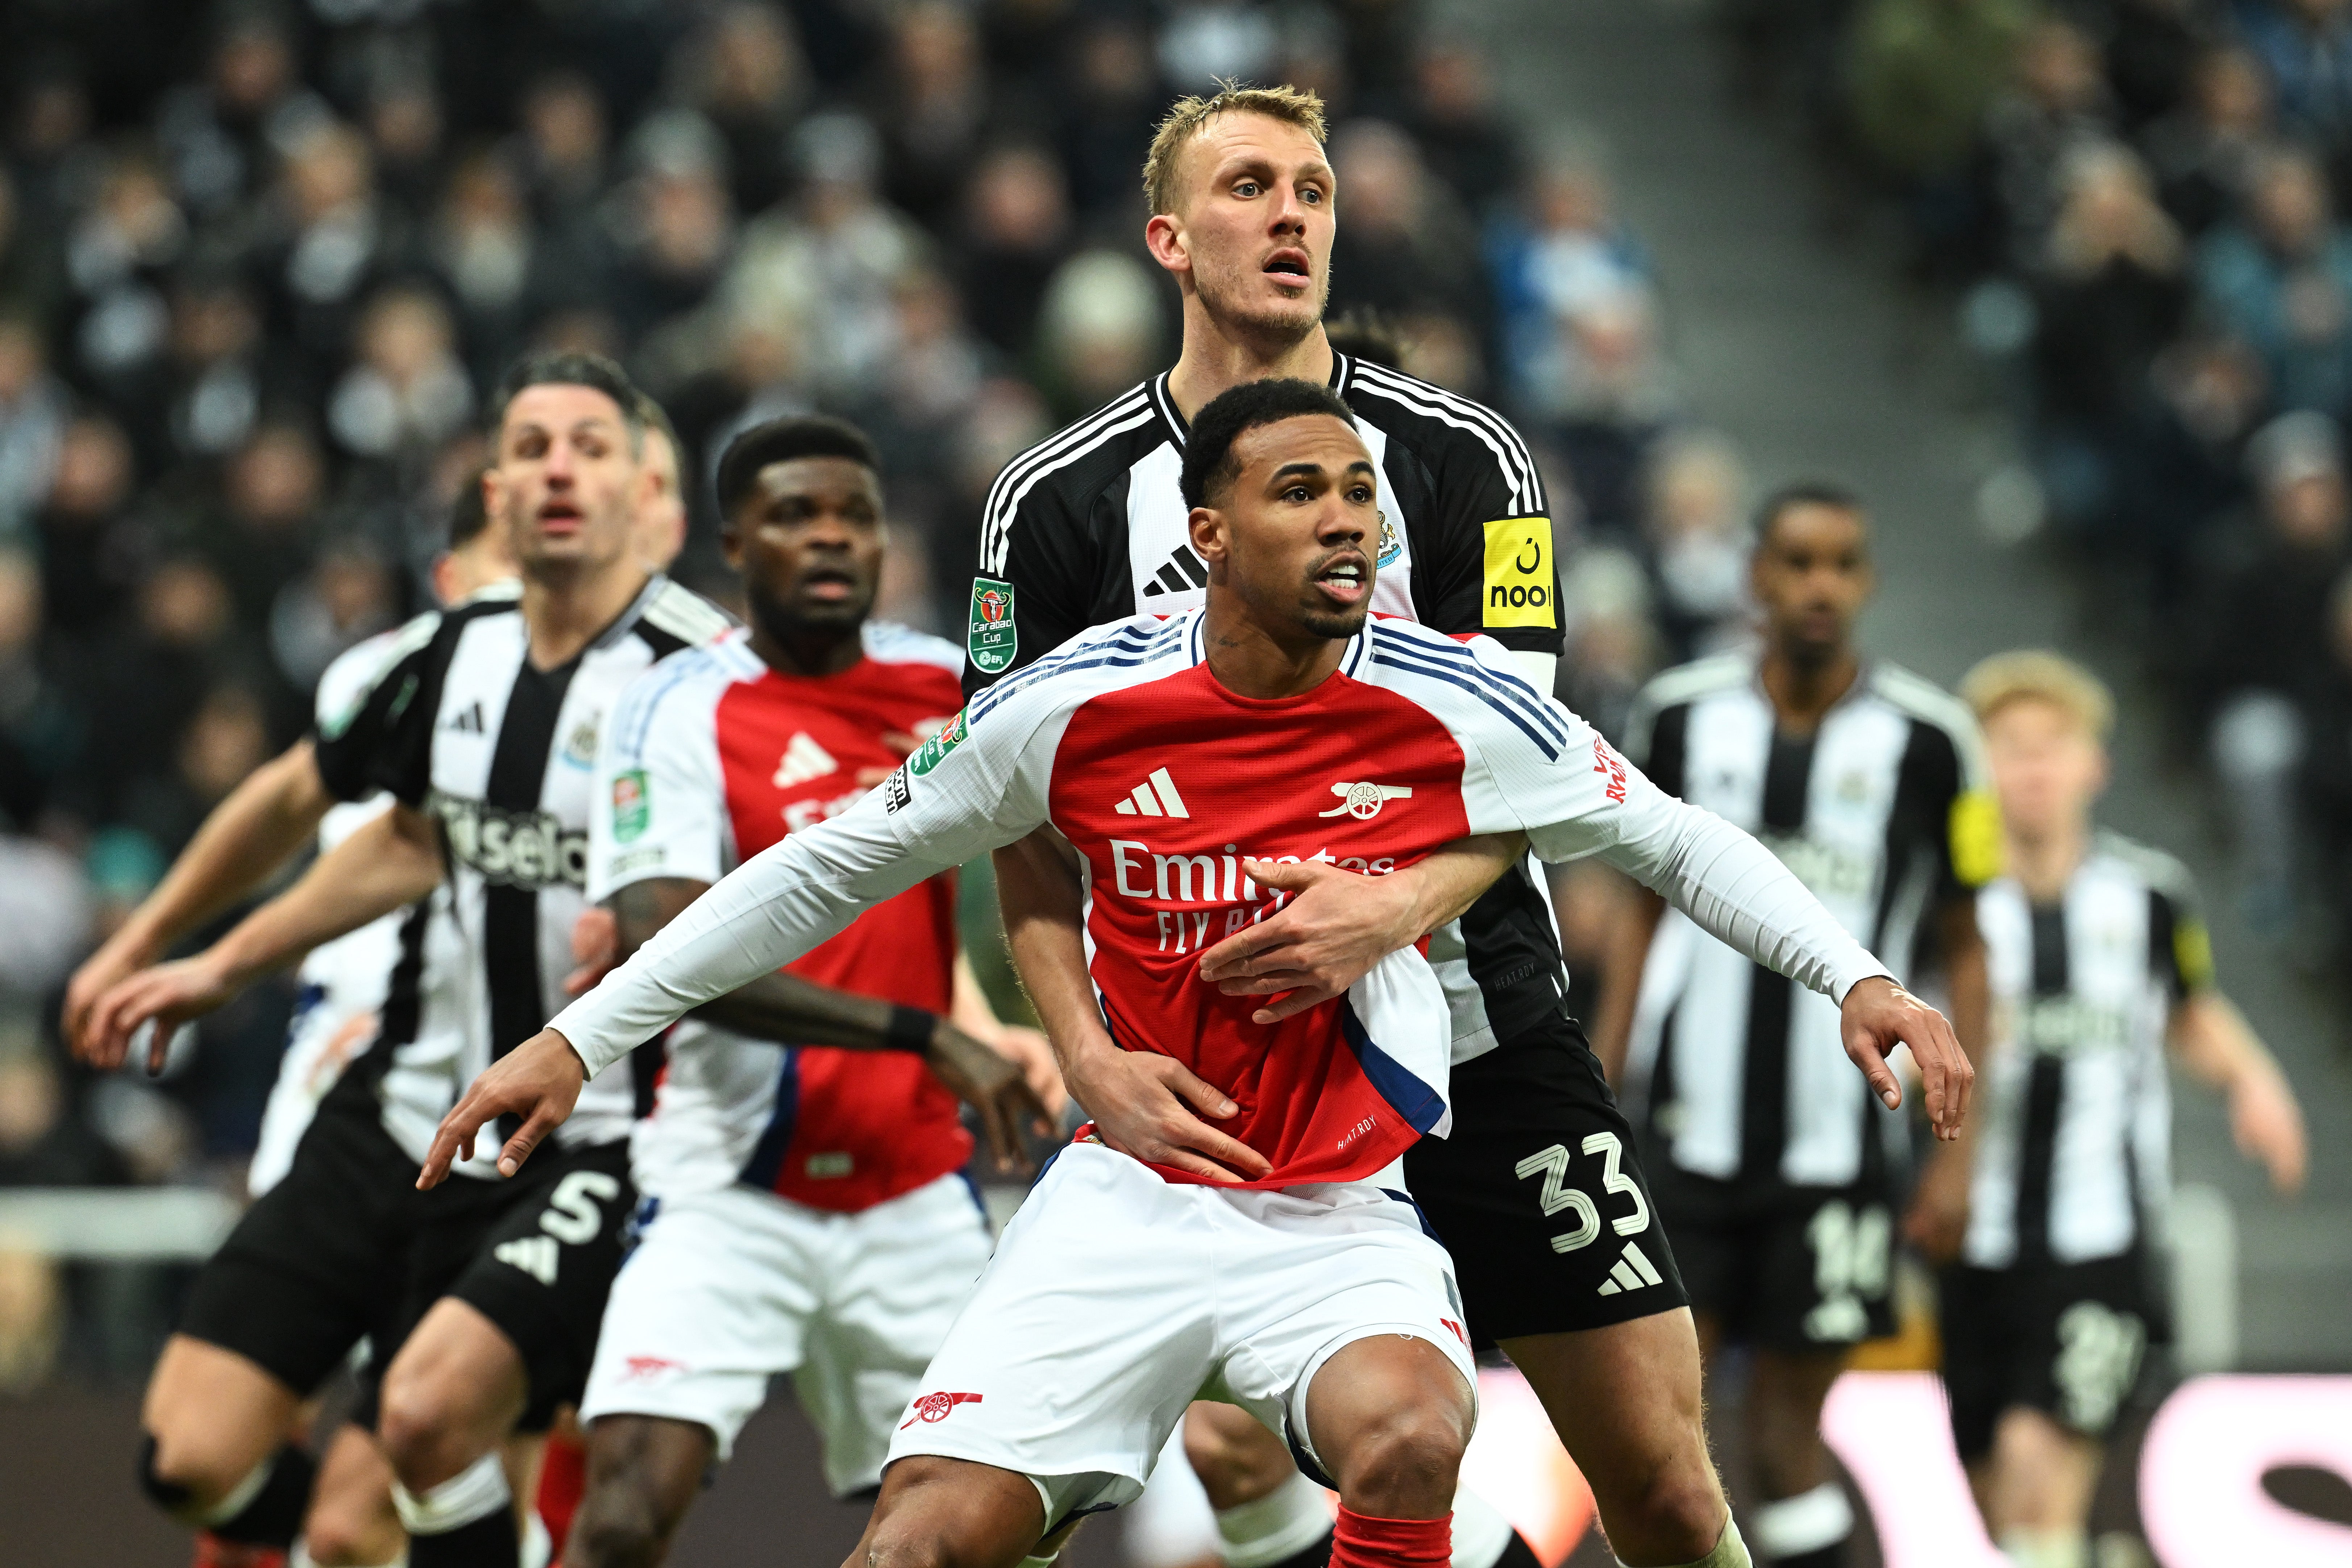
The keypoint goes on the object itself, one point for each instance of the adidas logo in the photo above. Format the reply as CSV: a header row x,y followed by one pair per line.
x,y
1182,572
469,719
803,760
1144,801
1631,1271
534,1255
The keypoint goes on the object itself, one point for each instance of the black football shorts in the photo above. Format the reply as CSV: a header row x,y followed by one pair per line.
x,y
1784,1267
2065,1338
1538,1196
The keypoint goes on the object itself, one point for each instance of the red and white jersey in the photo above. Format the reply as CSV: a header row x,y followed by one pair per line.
x,y
1163,780
713,756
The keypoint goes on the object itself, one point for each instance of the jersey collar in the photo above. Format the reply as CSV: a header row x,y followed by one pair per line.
x,y
1358,646
1343,371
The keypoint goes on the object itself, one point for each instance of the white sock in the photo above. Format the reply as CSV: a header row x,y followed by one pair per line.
x,y
2032,1548
1283,1523
1806,1522
1041,1562
1479,1532
538,1549
478,1489
239,1498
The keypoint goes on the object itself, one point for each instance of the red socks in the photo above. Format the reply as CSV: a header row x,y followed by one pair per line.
x,y
1359,1540
562,1476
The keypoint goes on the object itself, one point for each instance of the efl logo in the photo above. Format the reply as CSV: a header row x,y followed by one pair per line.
x,y
935,1406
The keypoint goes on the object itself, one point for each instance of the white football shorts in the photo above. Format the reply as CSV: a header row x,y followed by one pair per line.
x,y
727,1289
1115,1298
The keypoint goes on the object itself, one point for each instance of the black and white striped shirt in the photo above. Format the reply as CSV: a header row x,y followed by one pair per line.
x,y
2073,1147
459,724
1881,813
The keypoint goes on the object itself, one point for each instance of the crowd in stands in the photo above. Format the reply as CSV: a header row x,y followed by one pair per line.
x,y
2141,205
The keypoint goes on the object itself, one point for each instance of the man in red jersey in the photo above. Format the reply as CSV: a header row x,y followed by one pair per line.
x,y
808,1215
1277,723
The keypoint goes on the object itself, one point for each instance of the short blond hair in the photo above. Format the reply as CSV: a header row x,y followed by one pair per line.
x,y
2041,676
1291,105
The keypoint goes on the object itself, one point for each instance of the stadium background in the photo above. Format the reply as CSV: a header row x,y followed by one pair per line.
x,y
257,263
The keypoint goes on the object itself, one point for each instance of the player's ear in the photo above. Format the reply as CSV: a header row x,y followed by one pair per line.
x,y
730,544
1206,525
494,495
1164,237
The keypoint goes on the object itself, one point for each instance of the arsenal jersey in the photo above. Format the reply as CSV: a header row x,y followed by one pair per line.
x,y
712,757
1164,781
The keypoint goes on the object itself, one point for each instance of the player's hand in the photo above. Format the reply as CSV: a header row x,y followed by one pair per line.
x,y
2268,1126
167,995
1033,1054
116,961
1335,927
539,1080
1938,1220
996,1087
1144,1104
1877,1017
595,949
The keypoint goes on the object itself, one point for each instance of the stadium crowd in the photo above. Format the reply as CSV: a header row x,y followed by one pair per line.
x,y
2141,206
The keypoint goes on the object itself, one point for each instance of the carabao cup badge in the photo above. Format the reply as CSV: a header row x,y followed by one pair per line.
x,y
993,639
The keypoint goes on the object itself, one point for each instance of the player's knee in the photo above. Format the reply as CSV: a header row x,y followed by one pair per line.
x,y
417,1439
1238,1461
1679,1511
337,1535
620,1525
1403,1463
186,1478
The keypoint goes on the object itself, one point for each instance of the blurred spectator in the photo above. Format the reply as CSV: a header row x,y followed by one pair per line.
x,y
89,552
1018,234
39,728
1695,525
2306,48
328,238
1100,329
932,107
116,257
486,251
2326,712
2111,292
32,421
563,151
2268,618
2210,394
1114,99
826,268
405,392
1400,251
29,263
219,135
1924,75
1467,143
1605,613
2282,281
1205,41
2205,153
261,538
218,375
404,131
346,597
677,221
744,70
2057,107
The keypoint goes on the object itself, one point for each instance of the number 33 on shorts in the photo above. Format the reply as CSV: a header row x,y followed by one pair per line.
x,y
1552,1165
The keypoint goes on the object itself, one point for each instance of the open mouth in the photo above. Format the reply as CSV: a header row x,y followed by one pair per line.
x,y
1287,267
829,585
560,517
1344,579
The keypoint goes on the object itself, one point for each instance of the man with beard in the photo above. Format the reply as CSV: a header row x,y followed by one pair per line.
x,y
809,1212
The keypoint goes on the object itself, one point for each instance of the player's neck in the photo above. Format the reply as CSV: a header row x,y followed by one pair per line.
x,y
802,650
1804,689
1249,660
565,609
1218,357
2043,863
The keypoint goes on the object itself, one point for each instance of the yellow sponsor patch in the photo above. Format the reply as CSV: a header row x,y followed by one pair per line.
x,y
1519,583
2193,951
1976,837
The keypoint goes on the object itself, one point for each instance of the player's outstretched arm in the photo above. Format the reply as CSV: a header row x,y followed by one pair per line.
x,y
539,1081
1142,1103
1333,926
2215,1041
387,865
248,835
792,1011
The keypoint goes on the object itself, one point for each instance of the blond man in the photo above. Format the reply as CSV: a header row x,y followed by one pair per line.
x,y
2098,961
